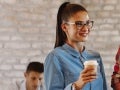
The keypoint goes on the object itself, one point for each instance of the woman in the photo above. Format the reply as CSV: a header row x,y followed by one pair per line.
x,y
64,69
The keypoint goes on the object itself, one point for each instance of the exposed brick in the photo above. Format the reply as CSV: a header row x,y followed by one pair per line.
x,y
28,28
110,1
1,45
16,38
5,67
17,45
109,7
8,1
19,67
102,14
7,30
14,74
4,38
24,60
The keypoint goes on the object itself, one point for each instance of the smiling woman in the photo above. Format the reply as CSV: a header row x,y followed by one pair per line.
x,y
64,68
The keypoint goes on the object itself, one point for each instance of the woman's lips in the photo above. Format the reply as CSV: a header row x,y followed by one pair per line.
x,y
83,34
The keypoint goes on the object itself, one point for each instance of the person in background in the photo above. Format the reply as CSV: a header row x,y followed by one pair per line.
x,y
33,78
115,80
63,68
117,64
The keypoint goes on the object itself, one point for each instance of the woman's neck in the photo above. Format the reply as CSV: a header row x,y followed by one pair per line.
x,y
78,46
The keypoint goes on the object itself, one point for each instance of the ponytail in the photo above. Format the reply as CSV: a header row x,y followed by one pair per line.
x,y
60,34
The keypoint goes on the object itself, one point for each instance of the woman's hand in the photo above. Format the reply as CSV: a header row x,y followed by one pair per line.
x,y
87,75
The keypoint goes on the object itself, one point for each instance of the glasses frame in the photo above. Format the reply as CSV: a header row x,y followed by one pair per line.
x,y
81,24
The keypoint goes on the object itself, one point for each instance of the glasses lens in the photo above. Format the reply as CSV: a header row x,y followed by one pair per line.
x,y
89,24
80,24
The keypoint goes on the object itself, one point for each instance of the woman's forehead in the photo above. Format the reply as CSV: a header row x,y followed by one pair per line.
x,y
80,16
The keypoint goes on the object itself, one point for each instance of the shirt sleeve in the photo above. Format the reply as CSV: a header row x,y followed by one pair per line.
x,y
53,75
103,74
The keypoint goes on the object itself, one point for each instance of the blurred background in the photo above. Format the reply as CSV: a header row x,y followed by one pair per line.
x,y
27,33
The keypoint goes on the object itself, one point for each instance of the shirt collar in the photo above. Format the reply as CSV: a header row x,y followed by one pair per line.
x,y
23,86
74,52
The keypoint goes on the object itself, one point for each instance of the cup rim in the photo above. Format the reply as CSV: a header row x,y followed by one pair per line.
x,y
91,62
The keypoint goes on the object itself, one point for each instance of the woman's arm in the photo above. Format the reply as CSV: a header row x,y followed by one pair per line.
x,y
103,75
54,79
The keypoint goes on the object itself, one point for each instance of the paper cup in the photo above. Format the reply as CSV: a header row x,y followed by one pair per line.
x,y
91,64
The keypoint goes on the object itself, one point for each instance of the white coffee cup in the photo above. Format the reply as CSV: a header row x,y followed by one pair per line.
x,y
91,64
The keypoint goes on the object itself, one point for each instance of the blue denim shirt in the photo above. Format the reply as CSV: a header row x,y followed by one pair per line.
x,y
63,66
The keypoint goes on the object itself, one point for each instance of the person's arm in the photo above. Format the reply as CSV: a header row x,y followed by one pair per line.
x,y
52,73
54,78
103,75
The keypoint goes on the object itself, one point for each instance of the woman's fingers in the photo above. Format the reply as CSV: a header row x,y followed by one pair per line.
x,y
88,75
89,78
88,69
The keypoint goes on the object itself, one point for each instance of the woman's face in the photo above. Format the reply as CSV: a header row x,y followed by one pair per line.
x,y
77,33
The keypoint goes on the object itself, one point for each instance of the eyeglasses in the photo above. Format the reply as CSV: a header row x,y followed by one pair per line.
x,y
81,24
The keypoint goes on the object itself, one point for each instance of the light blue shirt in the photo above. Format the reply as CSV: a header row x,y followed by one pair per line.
x,y
63,66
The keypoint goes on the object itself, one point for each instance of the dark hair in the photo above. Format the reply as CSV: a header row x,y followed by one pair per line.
x,y
66,10
35,66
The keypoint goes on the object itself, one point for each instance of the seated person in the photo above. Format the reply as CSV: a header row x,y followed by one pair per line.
x,y
33,78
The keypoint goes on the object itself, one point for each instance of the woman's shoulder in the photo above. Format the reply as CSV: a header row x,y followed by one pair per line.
x,y
55,51
93,53
55,54
52,58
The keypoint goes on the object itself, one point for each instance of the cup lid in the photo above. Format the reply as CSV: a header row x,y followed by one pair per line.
x,y
91,62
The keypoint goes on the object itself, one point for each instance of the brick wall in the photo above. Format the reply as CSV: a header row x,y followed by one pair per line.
x,y
27,33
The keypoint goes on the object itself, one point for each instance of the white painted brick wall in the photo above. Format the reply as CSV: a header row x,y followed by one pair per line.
x,y
27,33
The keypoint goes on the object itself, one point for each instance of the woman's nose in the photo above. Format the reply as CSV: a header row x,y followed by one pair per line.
x,y
84,28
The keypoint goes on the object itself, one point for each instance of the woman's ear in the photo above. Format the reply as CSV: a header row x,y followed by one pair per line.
x,y
25,74
64,27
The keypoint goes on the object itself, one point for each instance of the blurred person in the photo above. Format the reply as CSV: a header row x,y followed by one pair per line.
x,y
33,78
117,64
64,68
115,79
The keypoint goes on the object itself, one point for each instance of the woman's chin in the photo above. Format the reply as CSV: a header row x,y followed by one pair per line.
x,y
83,40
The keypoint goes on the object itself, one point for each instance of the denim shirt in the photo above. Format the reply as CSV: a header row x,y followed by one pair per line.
x,y
63,67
